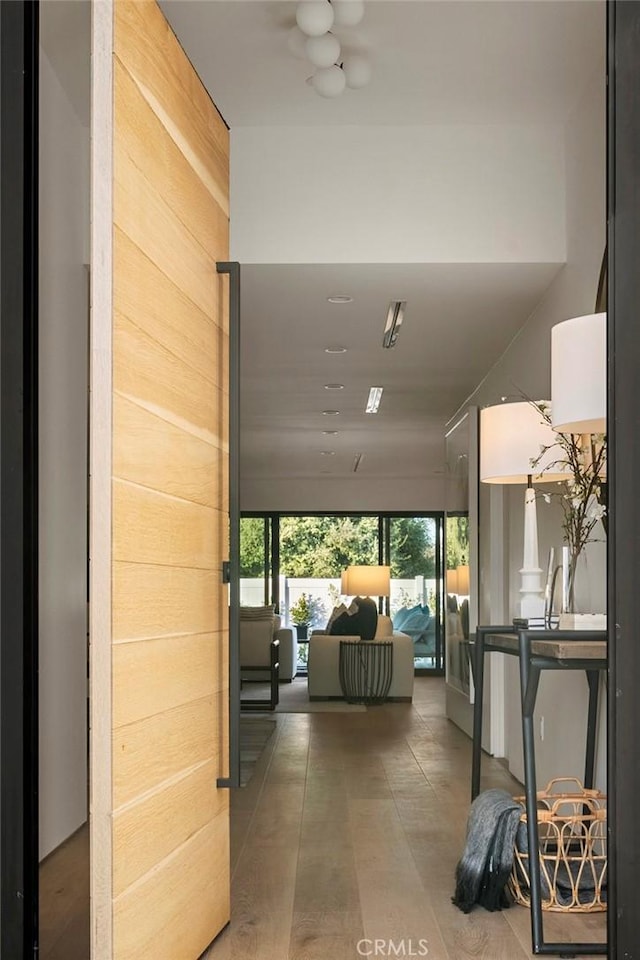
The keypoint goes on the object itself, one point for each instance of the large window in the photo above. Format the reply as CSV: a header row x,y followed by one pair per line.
x,y
416,585
285,556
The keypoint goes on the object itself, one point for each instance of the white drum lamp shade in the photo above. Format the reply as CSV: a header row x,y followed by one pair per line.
x,y
374,581
511,435
579,374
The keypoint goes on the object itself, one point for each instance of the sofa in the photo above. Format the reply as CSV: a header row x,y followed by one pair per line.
x,y
323,663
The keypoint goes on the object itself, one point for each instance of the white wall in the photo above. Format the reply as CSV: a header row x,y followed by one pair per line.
x,y
64,222
525,368
424,194
353,493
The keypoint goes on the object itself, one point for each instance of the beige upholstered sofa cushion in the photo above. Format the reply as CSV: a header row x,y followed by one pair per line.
x,y
323,665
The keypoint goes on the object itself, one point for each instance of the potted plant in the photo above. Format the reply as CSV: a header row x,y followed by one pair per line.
x,y
302,614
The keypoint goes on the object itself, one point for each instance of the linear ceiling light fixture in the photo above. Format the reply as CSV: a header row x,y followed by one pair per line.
x,y
375,396
340,298
335,349
395,316
313,38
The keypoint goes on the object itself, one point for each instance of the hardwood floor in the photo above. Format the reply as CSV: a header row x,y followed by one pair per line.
x,y
64,900
351,828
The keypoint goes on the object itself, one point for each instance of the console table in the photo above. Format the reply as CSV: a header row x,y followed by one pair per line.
x,y
539,650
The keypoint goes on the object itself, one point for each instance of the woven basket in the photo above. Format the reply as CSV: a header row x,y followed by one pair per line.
x,y
572,829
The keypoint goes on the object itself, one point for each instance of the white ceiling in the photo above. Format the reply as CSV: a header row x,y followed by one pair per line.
x,y
459,318
480,62
518,61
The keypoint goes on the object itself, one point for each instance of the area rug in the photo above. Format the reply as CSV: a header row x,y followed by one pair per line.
x,y
255,733
294,698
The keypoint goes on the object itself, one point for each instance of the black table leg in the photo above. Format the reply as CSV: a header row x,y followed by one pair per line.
x,y
593,679
529,679
477,663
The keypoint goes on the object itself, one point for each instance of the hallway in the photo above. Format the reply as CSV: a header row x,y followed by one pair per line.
x,y
351,828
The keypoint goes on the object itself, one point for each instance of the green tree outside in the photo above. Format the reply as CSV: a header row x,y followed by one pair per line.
x,y
325,546
252,547
457,541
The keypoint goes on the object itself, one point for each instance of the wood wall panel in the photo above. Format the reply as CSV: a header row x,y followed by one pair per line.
x,y
157,379
169,83
168,710
153,750
141,212
147,146
156,601
152,527
157,306
176,670
150,916
189,468
148,831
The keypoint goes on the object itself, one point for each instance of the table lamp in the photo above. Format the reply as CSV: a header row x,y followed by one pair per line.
x,y
579,374
452,582
511,436
363,581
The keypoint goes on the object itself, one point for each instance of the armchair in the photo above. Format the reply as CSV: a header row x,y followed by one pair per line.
x,y
258,627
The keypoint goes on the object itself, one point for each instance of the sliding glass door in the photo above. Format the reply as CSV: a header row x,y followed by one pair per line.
x,y
416,602
295,562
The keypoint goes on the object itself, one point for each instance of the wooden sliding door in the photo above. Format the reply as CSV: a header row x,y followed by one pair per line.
x,y
159,610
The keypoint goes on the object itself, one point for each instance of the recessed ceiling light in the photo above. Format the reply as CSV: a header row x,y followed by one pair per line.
x,y
335,349
375,396
334,386
341,298
330,413
327,453
330,433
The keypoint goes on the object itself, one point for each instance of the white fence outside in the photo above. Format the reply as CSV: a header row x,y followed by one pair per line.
x,y
404,593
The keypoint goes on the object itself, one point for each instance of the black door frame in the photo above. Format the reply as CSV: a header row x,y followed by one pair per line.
x,y
624,476
19,478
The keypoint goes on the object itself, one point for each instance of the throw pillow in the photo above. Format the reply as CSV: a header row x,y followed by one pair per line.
x,y
359,620
335,613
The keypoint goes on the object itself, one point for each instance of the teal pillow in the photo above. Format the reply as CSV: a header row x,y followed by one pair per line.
x,y
406,614
418,619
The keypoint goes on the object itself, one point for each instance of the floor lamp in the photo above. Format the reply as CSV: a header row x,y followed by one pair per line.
x,y
511,436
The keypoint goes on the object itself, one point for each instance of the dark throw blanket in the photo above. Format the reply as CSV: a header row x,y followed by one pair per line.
x,y
483,871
